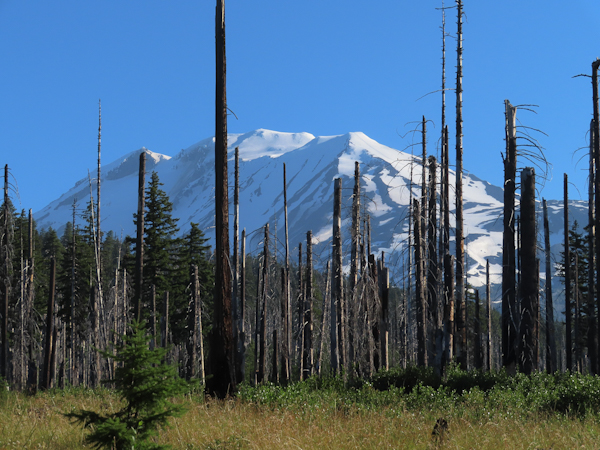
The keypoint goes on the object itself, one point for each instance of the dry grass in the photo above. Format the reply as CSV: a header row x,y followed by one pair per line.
x,y
36,422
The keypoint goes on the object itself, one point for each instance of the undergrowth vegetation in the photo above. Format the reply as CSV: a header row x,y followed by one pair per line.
x,y
398,408
570,394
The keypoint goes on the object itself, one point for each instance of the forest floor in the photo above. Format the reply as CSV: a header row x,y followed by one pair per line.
x,y
37,422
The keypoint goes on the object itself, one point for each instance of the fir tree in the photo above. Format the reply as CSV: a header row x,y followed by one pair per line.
x,y
146,383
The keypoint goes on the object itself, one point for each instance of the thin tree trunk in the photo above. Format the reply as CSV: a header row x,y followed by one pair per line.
x,y
477,329
139,247
49,347
577,318
591,310
165,321
433,271
6,260
569,343
308,304
550,338
262,362
192,341
325,315
420,288
287,337
235,304
595,136
355,236
337,299
488,302
242,341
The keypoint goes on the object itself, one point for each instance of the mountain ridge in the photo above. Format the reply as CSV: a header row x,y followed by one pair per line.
x,y
312,162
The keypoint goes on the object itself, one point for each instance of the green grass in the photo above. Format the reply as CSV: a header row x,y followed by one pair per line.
x,y
395,409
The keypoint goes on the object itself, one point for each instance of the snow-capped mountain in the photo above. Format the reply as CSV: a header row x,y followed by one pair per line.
x,y
312,163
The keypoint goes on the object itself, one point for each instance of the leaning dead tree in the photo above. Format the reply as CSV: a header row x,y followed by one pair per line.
x,y
223,380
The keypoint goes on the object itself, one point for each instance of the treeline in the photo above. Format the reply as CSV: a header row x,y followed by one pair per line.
x,y
64,298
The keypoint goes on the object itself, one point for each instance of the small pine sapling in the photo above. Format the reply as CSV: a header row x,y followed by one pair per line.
x,y
146,383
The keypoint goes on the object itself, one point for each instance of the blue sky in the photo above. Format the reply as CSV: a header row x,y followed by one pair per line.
x,y
322,67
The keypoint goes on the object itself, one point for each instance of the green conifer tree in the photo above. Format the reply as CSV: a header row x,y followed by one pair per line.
x,y
146,383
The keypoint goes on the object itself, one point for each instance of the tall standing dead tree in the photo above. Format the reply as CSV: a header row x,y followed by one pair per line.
x,y
595,137
529,286
461,330
337,304
509,295
222,349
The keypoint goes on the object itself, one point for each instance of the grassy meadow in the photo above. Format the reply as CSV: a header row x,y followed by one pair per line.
x,y
393,410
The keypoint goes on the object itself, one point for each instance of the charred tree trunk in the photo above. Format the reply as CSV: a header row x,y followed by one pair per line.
x,y
222,347
529,287
337,299
461,341
509,331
